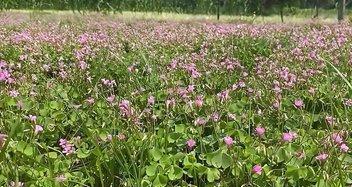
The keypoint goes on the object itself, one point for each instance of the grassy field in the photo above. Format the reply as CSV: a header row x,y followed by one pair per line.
x,y
145,99
303,16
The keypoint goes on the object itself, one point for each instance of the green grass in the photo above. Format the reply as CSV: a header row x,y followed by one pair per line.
x,y
302,16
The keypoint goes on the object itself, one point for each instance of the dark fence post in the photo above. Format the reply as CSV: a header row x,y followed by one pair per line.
x,y
218,10
282,13
316,8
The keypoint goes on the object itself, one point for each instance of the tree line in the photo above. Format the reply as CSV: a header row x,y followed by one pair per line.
x,y
228,7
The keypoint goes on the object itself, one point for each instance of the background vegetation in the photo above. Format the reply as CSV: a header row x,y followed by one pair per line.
x,y
230,7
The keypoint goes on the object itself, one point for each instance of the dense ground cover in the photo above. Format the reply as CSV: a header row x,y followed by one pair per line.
x,y
109,102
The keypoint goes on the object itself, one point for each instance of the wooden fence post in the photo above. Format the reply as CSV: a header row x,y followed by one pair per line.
x,y
218,10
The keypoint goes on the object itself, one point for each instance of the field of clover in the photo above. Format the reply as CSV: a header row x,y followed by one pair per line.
x,y
111,102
